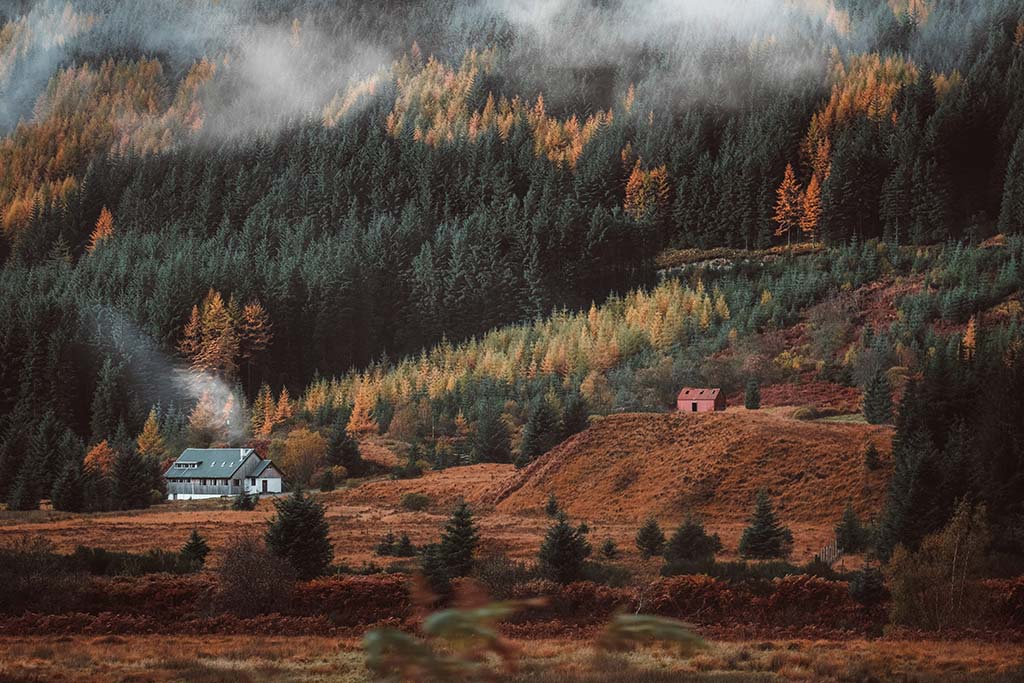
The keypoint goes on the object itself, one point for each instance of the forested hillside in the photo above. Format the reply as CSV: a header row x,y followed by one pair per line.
x,y
208,205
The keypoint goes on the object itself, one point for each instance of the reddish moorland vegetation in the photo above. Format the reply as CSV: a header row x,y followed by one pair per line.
x,y
793,606
713,464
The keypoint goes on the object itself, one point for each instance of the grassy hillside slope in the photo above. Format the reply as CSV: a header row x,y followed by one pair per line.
x,y
633,465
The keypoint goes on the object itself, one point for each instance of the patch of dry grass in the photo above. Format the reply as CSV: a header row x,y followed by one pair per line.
x,y
259,659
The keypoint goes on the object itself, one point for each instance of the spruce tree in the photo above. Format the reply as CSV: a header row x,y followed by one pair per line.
x,y
68,491
540,433
878,399
194,552
563,552
851,537
691,543
609,550
105,413
765,538
872,460
459,542
22,495
298,533
650,539
575,415
343,450
132,480
491,442
551,507
752,394
434,569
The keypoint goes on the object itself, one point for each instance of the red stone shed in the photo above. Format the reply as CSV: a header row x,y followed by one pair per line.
x,y
697,400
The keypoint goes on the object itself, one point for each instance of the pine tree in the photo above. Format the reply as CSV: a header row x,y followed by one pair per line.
x,y
752,394
878,399
563,552
68,492
132,481
691,543
650,539
851,536
459,542
765,537
609,550
194,552
788,205
104,230
298,533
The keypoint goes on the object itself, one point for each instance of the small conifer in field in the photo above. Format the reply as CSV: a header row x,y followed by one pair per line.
x,y
765,538
650,539
194,552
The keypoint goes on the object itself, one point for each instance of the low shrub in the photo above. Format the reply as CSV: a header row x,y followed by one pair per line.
x,y
501,576
732,571
102,562
415,502
245,501
606,574
867,587
252,580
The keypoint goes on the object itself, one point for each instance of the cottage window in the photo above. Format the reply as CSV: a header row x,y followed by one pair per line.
x,y
252,480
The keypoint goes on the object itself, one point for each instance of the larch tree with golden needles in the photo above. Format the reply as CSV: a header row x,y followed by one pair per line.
x,y
104,230
285,410
361,420
254,332
788,205
970,340
810,214
151,442
210,340
205,425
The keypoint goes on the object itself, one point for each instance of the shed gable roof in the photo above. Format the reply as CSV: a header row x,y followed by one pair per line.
x,y
698,394
261,470
207,463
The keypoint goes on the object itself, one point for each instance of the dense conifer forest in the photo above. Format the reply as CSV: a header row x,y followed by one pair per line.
x,y
443,220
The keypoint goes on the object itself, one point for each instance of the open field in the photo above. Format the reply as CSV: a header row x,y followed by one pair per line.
x,y
611,476
243,659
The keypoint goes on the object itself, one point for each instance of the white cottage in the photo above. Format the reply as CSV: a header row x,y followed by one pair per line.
x,y
215,472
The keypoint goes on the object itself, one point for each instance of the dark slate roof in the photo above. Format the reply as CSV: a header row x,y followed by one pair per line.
x,y
697,394
208,463
261,468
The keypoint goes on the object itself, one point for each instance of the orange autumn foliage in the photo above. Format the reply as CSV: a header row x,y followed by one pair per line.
x,y
104,230
788,206
100,459
116,107
866,86
646,192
